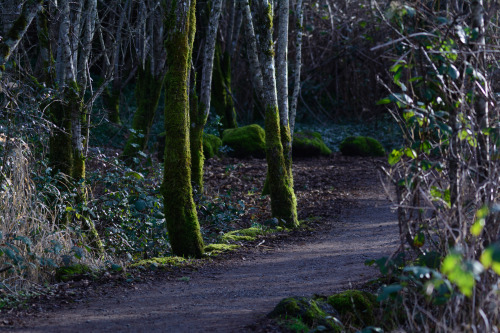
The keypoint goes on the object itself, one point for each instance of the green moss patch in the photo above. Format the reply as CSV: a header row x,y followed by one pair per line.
x,y
312,312
160,262
361,146
249,234
245,141
73,272
355,307
309,144
215,249
211,145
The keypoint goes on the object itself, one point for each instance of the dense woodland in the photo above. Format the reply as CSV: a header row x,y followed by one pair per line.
x,y
110,109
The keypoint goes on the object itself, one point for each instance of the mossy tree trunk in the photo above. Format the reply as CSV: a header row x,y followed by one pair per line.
x,y
67,144
198,121
222,101
111,100
279,171
147,93
200,110
180,212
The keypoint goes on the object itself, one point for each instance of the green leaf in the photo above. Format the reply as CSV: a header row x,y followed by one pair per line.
x,y
389,291
419,240
453,72
463,134
78,252
383,101
462,274
136,175
395,157
24,239
491,258
410,153
480,222
116,268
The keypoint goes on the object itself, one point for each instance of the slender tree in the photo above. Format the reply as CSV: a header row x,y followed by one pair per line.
x,y
17,30
278,141
299,18
180,212
199,114
151,57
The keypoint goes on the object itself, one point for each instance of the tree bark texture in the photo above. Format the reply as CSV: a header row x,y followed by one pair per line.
x,y
222,101
299,17
208,57
279,177
180,212
252,52
147,93
482,91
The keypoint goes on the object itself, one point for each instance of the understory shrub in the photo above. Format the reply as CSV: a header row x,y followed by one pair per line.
x,y
446,178
32,242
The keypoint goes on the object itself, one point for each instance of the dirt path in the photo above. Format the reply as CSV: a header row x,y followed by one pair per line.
x,y
230,297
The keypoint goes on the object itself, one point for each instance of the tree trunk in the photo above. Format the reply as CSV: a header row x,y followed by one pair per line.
x,y
180,212
198,121
147,93
299,17
279,177
67,142
221,92
16,32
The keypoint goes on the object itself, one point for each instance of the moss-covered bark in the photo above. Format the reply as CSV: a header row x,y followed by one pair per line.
x,y
279,164
196,139
180,212
222,100
111,101
147,93
60,149
280,183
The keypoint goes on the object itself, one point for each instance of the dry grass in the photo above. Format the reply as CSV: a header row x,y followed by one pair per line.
x,y
32,245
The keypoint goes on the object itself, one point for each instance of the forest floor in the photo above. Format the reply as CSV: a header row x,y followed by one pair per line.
x,y
350,221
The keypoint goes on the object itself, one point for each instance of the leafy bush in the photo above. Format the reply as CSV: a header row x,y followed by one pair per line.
x,y
446,177
129,209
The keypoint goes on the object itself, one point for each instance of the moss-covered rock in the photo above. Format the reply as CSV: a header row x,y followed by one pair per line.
x,y
312,312
361,146
215,249
160,262
73,272
309,144
249,234
245,141
355,307
211,145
